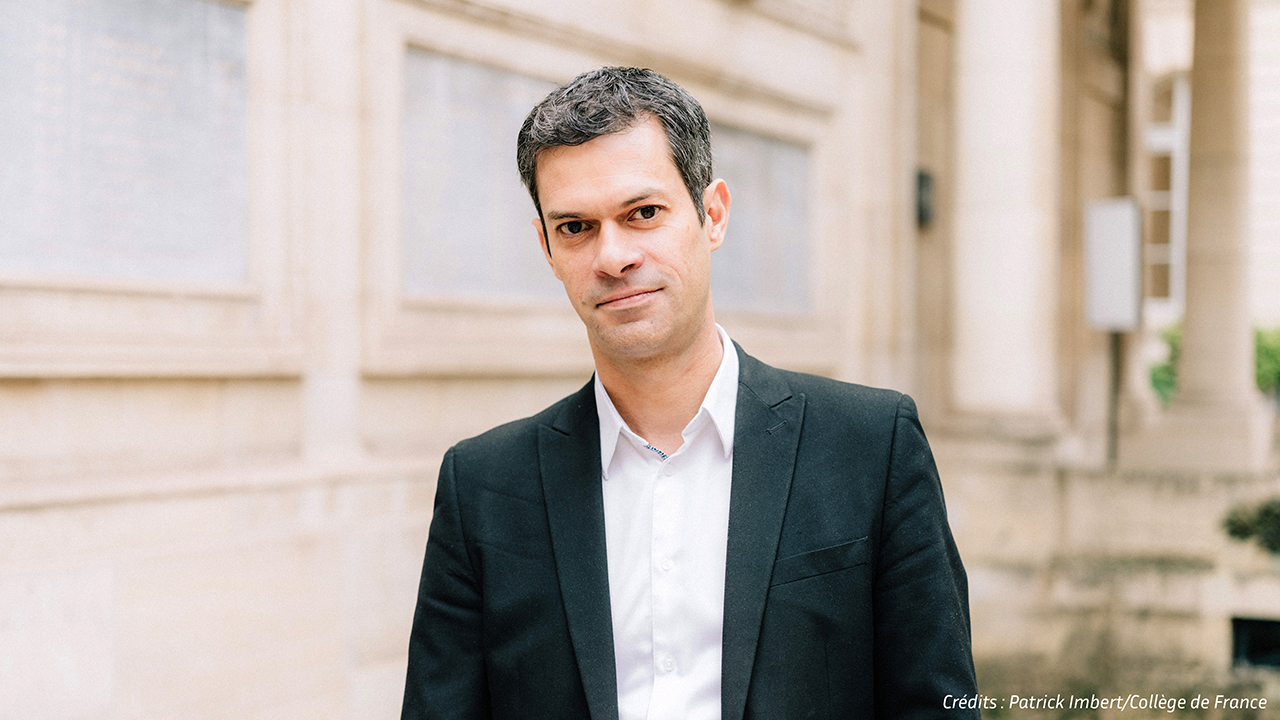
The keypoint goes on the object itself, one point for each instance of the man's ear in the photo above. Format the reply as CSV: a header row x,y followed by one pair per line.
x,y
716,201
541,228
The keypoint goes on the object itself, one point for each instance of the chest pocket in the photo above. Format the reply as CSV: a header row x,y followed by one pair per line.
x,y
820,562
513,525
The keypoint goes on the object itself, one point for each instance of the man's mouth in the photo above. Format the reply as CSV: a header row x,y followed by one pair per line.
x,y
626,298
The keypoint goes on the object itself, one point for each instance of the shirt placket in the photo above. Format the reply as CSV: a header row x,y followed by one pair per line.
x,y
663,569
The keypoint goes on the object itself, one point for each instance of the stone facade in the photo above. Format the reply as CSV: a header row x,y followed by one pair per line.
x,y
217,468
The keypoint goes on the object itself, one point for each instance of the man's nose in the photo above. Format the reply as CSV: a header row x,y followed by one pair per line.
x,y
616,251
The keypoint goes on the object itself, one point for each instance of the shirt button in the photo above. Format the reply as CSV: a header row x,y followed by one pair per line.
x,y
669,664
668,469
666,564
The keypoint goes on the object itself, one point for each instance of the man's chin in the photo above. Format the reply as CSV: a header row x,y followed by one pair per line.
x,y
631,341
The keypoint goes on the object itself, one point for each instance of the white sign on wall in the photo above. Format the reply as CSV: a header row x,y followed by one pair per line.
x,y
1113,264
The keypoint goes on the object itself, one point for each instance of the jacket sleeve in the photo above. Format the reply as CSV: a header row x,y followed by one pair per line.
x,y
922,649
446,677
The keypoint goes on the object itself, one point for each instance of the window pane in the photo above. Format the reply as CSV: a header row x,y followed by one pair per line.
x,y
1162,172
1158,229
1158,280
1255,642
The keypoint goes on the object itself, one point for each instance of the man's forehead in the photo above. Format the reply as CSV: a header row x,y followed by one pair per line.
x,y
611,168
647,126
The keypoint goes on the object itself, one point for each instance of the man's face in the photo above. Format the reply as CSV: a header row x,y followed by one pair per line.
x,y
623,236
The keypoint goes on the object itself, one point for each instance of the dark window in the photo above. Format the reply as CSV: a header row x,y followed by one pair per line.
x,y
1255,642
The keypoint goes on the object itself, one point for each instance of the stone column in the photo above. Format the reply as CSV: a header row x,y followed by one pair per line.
x,y
1217,420
1008,80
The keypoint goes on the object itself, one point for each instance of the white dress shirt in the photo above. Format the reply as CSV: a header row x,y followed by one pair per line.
x,y
666,522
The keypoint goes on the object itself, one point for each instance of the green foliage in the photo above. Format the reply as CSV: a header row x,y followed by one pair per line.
x,y
1164,376
1268,370
1261,522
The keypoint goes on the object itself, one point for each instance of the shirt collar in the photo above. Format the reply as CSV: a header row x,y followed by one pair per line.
x,y
720,403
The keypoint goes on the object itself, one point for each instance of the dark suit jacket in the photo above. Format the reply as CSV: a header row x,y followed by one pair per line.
x,y
844,593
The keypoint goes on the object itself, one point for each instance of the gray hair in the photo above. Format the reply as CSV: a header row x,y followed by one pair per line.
x,y
610,100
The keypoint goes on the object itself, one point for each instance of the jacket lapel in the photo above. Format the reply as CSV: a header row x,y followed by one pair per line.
x,y
569,457
766,434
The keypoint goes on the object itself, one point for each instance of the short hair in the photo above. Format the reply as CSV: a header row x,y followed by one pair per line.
x,y
610,100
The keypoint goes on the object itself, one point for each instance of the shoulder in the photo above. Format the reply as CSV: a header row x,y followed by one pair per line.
x,y
513,446
858,418
837,393
828,399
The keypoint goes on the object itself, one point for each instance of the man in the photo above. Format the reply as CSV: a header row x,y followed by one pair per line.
x,y
694,534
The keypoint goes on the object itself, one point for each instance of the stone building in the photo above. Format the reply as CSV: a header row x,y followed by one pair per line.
x,y
263,261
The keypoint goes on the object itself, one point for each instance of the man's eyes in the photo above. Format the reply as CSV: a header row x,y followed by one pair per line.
x,y
574,227
648,212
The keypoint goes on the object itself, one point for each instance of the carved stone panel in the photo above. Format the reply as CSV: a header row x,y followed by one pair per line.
x,y
466,216
763,265
123,140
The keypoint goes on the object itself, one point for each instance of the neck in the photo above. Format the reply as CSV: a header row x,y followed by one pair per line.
x,y
657,397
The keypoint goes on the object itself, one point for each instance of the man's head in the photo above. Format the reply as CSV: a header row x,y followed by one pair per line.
x,y
610,100
627,212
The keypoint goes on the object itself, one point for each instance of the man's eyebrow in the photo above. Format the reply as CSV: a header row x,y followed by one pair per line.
x,y
641,197
571,215
563,215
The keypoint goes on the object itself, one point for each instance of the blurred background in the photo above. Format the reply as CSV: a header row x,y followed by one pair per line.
x,y
263,261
